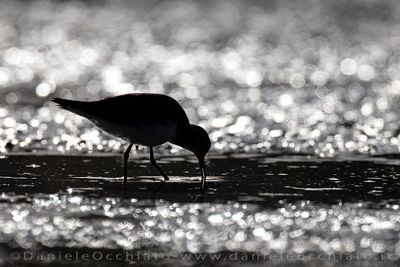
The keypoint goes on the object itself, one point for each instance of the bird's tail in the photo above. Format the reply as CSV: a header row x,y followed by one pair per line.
x,y
78,107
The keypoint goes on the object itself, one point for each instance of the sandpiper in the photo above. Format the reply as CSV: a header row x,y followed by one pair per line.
x,y
144,119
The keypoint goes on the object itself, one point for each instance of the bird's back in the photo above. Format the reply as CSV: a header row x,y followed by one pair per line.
x,y
130,109
146,119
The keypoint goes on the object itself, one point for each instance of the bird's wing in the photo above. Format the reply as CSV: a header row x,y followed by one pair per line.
x,y
136,109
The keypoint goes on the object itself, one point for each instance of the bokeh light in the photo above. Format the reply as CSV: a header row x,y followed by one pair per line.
x,y
320,79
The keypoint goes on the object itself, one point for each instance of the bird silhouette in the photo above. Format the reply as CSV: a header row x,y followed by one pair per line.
x,y
144,119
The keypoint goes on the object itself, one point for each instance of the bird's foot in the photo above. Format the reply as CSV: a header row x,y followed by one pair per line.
x,y
166,178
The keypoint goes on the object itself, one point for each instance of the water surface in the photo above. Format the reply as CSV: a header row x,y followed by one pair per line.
x,y
253,205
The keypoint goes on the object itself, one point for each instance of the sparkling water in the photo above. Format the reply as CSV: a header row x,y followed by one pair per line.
x,y
267,79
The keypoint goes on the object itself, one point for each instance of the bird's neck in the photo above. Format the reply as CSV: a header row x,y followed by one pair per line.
x,y
182,137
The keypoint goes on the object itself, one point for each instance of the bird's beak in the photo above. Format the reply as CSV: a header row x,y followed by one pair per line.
x,y
203,172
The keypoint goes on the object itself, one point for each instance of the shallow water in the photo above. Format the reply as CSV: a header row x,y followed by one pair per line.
x,y
297,207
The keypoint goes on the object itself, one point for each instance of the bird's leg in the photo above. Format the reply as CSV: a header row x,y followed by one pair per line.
x,y
154,162
126,157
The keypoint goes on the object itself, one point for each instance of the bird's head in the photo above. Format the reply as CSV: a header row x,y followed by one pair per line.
x,y
197,141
